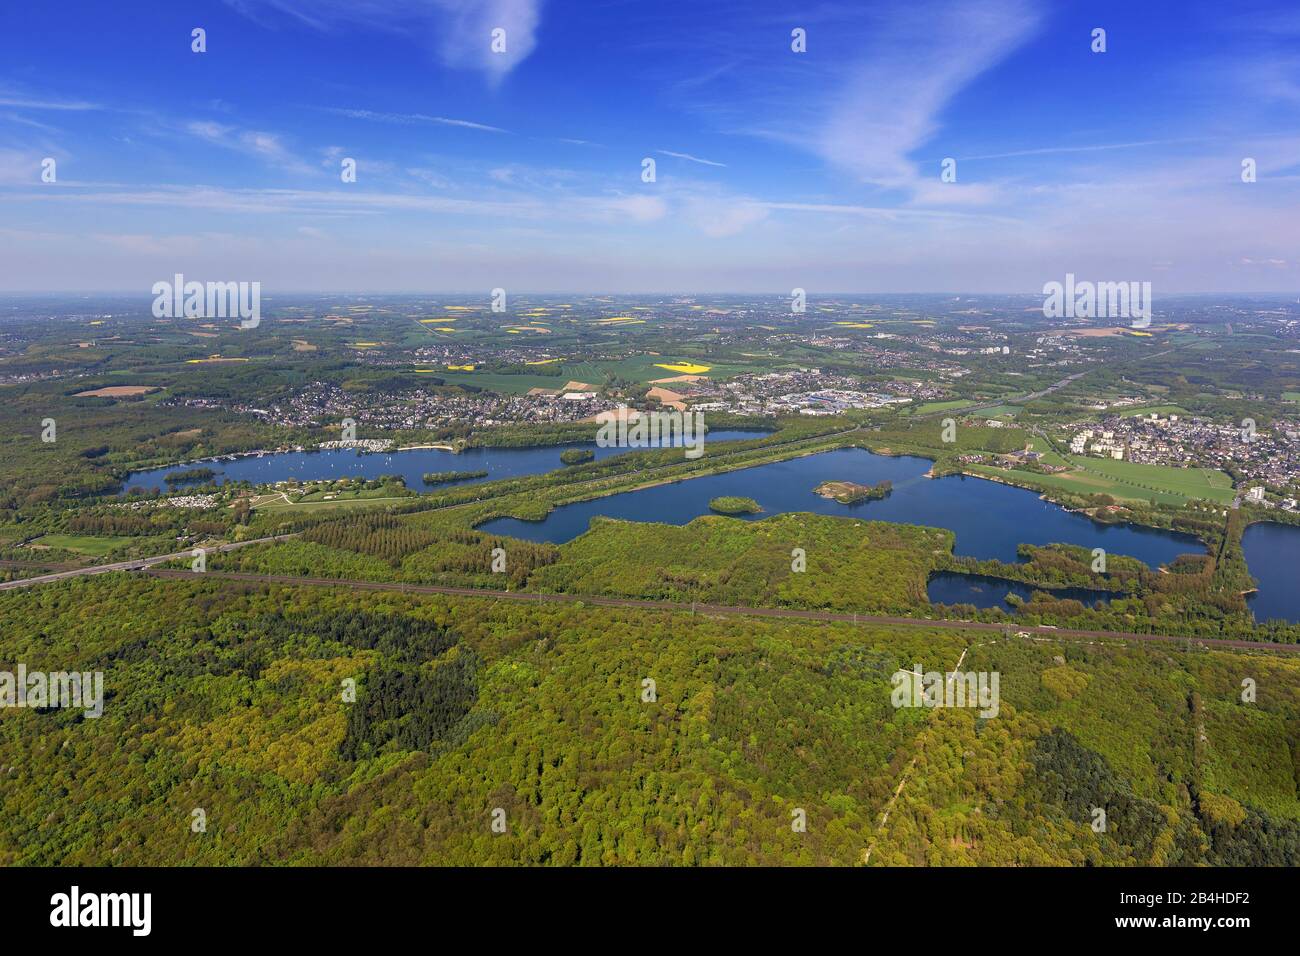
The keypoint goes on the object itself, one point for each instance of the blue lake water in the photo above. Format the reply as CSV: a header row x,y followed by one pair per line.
x,y
989,519
1273,556
411,465
948,587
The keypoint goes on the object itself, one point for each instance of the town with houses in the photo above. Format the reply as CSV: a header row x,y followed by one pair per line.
x,y
811,392
1261,460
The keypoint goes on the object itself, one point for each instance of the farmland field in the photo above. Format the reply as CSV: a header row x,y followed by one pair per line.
x,y
94,545
1153,409
942,406
1130,481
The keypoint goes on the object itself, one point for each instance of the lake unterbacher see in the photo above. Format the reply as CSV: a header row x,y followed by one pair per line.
x,y
989,519
412,465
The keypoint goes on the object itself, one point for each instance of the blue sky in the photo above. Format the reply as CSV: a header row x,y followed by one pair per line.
x,y
775,169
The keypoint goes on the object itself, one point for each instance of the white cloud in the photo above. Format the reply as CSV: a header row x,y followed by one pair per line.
x,y
920,58
934,192
429,177
689,157
467,37
871,91
27,121
1092,148
633,208
459,30
36,102
413,118
257,143
611,208
718,218
20,167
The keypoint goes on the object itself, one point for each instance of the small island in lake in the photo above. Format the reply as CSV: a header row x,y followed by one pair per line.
x,y
576,456
848,492
734,505
447,477
189,476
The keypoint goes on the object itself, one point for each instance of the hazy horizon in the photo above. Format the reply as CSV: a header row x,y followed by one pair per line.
x,y
268,295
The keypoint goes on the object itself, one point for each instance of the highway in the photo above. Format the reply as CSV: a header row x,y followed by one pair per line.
x,y
1006,399
137,564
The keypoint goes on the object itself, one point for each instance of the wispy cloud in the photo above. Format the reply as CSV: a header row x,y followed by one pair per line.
x,y
920,57
690,158
429,177
410,119
461,31
886,214
613,207
721,217
35,102
536,179
710,211
1094,148
19,167
1233,235
871,91
27,121
262,145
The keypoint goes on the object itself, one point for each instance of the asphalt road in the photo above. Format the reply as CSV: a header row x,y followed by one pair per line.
x,y
137,564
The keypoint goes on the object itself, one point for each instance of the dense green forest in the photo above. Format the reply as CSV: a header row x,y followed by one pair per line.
x,y
601,736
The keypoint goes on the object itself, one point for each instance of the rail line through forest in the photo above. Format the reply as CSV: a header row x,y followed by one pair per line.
x,y
722,610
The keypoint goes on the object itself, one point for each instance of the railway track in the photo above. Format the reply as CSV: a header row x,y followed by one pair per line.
x,y
722,610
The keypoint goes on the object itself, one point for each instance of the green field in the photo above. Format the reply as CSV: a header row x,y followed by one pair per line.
x,y
941,406
1178,482
1154,409
505,384
1050,457
310,503
1136,482
89,544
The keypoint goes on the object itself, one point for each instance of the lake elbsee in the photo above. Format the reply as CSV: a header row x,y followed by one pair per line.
x,y
1273,556
990,519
